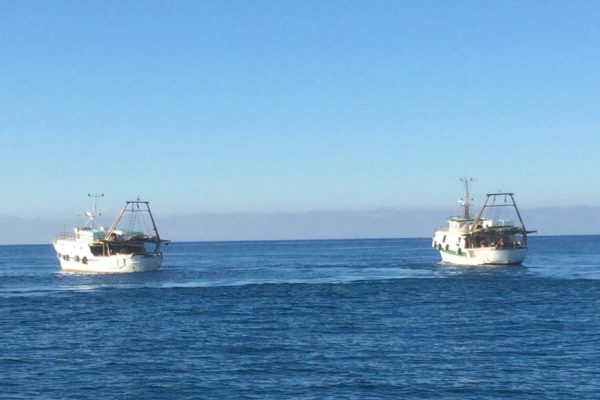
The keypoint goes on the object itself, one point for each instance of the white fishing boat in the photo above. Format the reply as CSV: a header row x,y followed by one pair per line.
x,y
486,238
92,249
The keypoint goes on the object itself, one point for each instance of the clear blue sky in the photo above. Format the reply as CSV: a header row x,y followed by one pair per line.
x,y
234,106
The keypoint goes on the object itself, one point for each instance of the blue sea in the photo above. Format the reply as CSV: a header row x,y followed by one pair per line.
x,y
339,319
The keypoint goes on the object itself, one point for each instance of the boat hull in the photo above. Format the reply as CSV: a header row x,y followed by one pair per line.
x,y
485,256
78,259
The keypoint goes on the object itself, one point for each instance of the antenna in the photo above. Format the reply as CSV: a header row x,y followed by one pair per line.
x,y
92,215
466,201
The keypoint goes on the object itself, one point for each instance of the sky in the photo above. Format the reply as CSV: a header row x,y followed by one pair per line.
x,y
281,106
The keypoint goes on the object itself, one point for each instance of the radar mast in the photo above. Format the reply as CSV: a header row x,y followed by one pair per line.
x,y
466,200
92,215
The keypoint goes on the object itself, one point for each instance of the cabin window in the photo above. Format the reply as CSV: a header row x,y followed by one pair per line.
x,y
444,239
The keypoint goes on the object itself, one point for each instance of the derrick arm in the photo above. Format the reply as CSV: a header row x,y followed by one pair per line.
x,y
518,213
117,220
478,217
106,247
158,241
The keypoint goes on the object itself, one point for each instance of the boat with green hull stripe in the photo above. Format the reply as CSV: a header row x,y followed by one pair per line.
x,y
489,237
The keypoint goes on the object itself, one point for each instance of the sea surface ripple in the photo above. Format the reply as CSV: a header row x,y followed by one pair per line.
x,y
340,319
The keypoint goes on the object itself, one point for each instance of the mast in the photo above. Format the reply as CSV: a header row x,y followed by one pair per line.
x,y
92,215
466,200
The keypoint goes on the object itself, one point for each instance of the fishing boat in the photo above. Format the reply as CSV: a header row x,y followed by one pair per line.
x,y
93,249
486,238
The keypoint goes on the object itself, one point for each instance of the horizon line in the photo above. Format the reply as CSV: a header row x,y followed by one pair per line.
x,y
309,240
300,212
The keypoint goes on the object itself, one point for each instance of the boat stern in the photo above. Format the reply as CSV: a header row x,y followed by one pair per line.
x,y
485,256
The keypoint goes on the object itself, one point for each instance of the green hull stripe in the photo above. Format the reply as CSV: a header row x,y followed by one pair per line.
x,y
454,253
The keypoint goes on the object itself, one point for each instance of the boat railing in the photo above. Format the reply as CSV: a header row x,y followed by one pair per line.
x,y
64,235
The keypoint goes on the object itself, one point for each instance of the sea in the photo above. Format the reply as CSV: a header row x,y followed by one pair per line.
x,y
322,319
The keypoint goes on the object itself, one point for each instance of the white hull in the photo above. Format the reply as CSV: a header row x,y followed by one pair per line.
x,y
454,247
75,257
485,256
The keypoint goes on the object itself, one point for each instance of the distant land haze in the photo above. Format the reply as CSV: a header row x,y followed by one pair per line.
x,y
382,223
